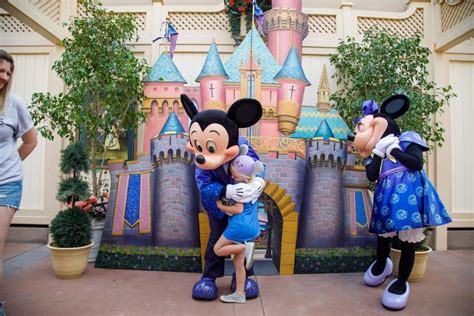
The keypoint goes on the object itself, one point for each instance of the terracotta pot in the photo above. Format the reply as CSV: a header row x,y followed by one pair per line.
x,y
69,263
97,230
419,267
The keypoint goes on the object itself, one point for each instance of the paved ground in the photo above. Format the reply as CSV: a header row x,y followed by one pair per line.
x,y
33,289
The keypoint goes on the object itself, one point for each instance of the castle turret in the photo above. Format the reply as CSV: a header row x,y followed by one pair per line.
x,y
163,87
322,218
175,200
211,80
286,26
290,93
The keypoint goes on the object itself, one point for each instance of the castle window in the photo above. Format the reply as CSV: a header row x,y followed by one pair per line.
x,y
250,86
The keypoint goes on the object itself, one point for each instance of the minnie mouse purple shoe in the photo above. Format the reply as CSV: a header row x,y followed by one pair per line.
x,y
395,302
376,280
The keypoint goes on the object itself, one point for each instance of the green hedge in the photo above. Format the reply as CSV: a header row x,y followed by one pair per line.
x,y
333,260
149,258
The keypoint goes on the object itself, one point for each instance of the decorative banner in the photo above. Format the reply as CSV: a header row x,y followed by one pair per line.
x,y
359,210
132,204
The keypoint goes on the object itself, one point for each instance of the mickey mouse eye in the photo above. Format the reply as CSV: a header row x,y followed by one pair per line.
x,y
211,146
197,144
360,127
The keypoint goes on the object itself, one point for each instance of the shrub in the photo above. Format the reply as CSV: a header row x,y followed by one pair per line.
x,y
71,228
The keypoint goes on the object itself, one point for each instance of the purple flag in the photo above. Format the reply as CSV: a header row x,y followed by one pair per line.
x,y
172,35
258,15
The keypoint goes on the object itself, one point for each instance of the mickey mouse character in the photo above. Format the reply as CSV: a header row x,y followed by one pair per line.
x,y
405,201
214,140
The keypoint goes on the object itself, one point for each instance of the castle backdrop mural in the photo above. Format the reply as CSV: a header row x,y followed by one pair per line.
x,y
315,196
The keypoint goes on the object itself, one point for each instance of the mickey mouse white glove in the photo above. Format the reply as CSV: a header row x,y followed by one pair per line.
x,y
382,145
240,192
259,183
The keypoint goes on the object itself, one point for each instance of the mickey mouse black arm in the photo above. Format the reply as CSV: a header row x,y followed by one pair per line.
x,y
411,158
373,168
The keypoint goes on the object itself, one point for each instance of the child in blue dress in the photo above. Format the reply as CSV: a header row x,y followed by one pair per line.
x,y
243,224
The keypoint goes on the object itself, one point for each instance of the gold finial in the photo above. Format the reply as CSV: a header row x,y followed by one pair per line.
x,y
324,105
168,18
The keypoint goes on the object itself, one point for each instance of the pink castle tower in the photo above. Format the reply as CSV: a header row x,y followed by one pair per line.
x,y
211,79
286,26
163,87
290,94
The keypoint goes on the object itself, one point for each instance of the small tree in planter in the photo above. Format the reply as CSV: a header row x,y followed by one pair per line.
x,y
104,87
71,228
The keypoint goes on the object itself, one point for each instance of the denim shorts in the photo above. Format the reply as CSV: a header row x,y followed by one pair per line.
x,y
10,194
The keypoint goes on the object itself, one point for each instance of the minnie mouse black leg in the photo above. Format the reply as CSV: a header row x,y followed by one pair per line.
x,y
407,259
383,250
396,294
382,268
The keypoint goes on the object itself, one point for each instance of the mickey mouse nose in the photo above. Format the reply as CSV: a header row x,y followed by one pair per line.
x,y
351,137
200,159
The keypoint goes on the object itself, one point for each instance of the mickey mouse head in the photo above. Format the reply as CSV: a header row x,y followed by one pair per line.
x,y
214,134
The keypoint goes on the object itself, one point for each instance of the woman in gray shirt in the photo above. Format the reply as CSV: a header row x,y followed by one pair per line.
x,y
15,122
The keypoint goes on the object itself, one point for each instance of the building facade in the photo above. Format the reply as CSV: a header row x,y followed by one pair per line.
x,y
32,32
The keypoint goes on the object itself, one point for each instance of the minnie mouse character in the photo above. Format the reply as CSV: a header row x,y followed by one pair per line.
x,y
405,201
214,140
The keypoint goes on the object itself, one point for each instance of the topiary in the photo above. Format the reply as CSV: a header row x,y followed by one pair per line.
x,y
74,160
71,228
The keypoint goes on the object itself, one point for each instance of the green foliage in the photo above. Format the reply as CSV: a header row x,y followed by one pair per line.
x,y
72,189
71,228
384,64
333,260
235,8
74,159
103,81
149,258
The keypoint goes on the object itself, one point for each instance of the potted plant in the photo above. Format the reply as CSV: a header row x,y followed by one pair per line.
x,y
96,209
71,228
422,252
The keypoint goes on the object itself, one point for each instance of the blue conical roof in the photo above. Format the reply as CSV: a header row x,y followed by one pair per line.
x,y
311,119
164,70
292,68
213,65
172,126
260,52
324,131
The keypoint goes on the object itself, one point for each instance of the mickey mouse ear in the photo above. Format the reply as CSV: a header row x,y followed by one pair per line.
x,y
189,106
245,112
395,106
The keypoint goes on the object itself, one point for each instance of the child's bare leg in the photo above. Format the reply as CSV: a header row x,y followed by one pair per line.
x,y
225,247
239,272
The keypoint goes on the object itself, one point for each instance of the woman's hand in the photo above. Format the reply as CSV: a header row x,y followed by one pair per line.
x,y
232,209
30,140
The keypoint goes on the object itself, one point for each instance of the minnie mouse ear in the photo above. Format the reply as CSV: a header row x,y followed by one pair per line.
x,y
189,106
245,112
395,106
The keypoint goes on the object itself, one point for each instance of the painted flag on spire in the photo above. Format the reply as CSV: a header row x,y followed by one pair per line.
x,y
258,15
171,35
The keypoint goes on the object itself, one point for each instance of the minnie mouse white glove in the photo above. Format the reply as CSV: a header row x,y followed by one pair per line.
x,y
391,147
382,144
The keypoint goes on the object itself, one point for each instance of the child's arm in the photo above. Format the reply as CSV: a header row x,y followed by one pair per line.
x,y
232,209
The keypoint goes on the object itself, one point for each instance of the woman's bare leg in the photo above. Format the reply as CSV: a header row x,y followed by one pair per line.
x,y
6,215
